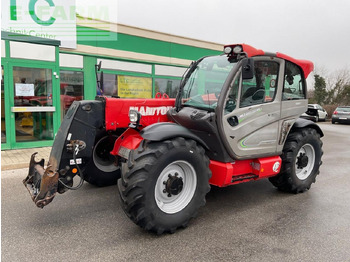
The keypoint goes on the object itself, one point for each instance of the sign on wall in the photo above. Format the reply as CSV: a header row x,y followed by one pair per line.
x,y
53,19
134,87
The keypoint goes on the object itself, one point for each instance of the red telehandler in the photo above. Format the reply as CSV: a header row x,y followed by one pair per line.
x,y
235,119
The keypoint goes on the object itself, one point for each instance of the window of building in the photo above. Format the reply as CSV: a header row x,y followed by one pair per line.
x,y
294,84
110,85
71,88
134,87
167,86
126,86
33,89
262,88
32,86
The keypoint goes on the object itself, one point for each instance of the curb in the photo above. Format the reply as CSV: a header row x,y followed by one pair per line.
x,y
14,166
20,158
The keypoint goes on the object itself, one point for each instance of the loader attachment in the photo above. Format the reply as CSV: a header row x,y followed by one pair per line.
x,y
41,183
76,135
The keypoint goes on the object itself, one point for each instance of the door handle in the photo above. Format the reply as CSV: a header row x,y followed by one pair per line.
x,y
233,120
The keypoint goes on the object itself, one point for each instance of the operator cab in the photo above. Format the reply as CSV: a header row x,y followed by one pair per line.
x,y
241,102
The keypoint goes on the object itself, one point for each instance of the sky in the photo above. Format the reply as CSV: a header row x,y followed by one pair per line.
x,y
316,30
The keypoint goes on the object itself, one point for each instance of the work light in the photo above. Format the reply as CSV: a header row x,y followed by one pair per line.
x,y
134,116
227,50
237,49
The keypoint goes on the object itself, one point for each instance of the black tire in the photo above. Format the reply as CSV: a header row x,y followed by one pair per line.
x,y
333,122
101,170
144,184
297,172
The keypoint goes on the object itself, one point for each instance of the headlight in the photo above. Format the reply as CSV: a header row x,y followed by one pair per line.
x,y
134,116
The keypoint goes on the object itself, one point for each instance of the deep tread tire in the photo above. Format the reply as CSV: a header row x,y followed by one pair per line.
x,y
140,175
94,172
287,180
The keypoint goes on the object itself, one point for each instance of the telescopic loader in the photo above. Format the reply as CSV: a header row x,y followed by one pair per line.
x,y
235,119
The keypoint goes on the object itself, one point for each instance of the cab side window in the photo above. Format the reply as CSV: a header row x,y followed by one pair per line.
x,y
294,84
262,88
231,99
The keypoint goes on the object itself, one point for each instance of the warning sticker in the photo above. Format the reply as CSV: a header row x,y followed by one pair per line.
x,y
79,161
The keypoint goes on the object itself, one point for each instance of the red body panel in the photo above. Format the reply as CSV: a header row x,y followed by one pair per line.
x,y
130,139
223,174
306,66
239,171
152,111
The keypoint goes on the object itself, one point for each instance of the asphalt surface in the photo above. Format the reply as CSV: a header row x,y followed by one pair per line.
x,y
246,222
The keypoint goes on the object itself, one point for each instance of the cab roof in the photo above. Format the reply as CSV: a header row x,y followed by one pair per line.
x,y
306,66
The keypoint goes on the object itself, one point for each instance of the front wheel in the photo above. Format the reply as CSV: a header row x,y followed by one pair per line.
x,y
102,169
301,160
163,184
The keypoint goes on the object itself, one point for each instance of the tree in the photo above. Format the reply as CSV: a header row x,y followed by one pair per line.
x,y
339,88
331,89
320,93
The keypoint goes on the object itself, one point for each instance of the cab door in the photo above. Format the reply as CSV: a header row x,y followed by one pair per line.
x,y
251,128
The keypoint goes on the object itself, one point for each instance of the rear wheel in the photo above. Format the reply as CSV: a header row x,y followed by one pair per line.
x,y
163,184
101,169
301,160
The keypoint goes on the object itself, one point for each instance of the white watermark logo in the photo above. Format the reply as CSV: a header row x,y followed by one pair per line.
x,y
56,19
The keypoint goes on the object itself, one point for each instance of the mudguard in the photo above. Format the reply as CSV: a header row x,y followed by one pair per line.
x,y
301,123
164,131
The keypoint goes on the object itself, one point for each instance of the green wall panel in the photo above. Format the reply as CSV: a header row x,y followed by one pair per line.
x,y
89,36
89,78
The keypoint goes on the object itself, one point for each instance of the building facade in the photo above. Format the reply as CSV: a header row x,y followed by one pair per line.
x,y
40,80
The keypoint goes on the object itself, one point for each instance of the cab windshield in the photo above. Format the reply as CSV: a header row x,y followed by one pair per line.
x,y
203,86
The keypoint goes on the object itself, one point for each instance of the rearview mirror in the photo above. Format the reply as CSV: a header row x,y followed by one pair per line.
x,y
247,68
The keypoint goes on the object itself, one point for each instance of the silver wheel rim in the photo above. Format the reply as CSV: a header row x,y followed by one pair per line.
x,y
176,203
304,172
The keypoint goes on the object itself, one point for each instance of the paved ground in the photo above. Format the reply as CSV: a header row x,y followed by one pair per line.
x,y
247,222
19,158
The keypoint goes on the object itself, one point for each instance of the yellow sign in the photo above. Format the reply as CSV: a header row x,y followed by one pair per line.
x,y
134,87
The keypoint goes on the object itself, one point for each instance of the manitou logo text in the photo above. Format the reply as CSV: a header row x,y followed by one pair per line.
x,y
151,111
